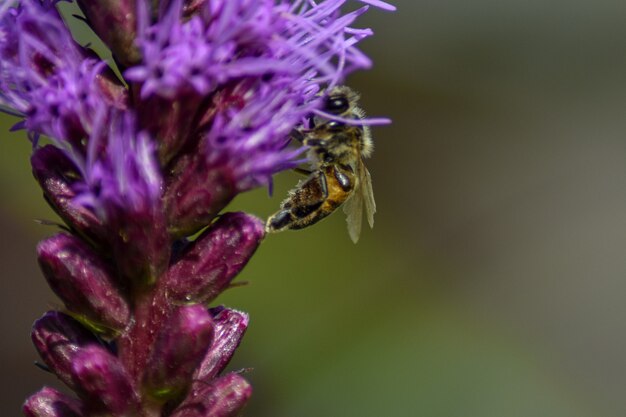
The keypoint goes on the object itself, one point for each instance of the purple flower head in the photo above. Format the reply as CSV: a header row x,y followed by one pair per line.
x,y
46,76
122,185
120,170
261,63
140,166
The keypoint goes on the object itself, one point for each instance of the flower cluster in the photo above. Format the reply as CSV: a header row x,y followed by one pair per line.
x,y
135,166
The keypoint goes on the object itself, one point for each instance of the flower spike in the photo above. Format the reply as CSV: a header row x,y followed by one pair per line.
x,y
139,160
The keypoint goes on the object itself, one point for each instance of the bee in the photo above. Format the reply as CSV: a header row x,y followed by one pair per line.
x,y
338,174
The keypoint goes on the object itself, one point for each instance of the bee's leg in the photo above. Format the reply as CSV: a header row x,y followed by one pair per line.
x,y
279,221
342,179
307,201
302,208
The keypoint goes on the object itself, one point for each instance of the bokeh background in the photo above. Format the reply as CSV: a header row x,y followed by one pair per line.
x,y
494,282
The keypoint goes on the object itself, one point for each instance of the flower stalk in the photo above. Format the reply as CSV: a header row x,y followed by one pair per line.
x,y
140,169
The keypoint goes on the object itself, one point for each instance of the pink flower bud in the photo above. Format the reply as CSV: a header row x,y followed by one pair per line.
x,y
214,258
223,397
178,350
49,402
230,326
83,281
104,383
58,338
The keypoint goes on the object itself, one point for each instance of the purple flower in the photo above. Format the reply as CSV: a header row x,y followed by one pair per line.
x,y
136,166
47,77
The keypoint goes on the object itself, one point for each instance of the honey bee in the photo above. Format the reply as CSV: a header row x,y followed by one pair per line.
x,y
339,175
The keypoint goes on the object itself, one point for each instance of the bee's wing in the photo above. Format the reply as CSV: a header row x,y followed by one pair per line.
x,y
362,195
353,208
368,194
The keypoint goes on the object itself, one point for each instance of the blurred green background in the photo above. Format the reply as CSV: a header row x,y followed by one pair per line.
x,y
493,284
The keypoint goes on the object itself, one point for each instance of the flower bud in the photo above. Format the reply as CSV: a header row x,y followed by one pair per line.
x,y
223,397
140,245
230,326
113,91
82,280
214,258
56,175
114,21
178,350
195,193
103,383
58,337
174,128
49,402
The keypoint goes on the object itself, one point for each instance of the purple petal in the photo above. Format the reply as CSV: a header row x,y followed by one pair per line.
x,y
380,4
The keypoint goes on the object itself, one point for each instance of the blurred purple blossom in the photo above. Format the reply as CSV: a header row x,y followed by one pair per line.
x,y
135,166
